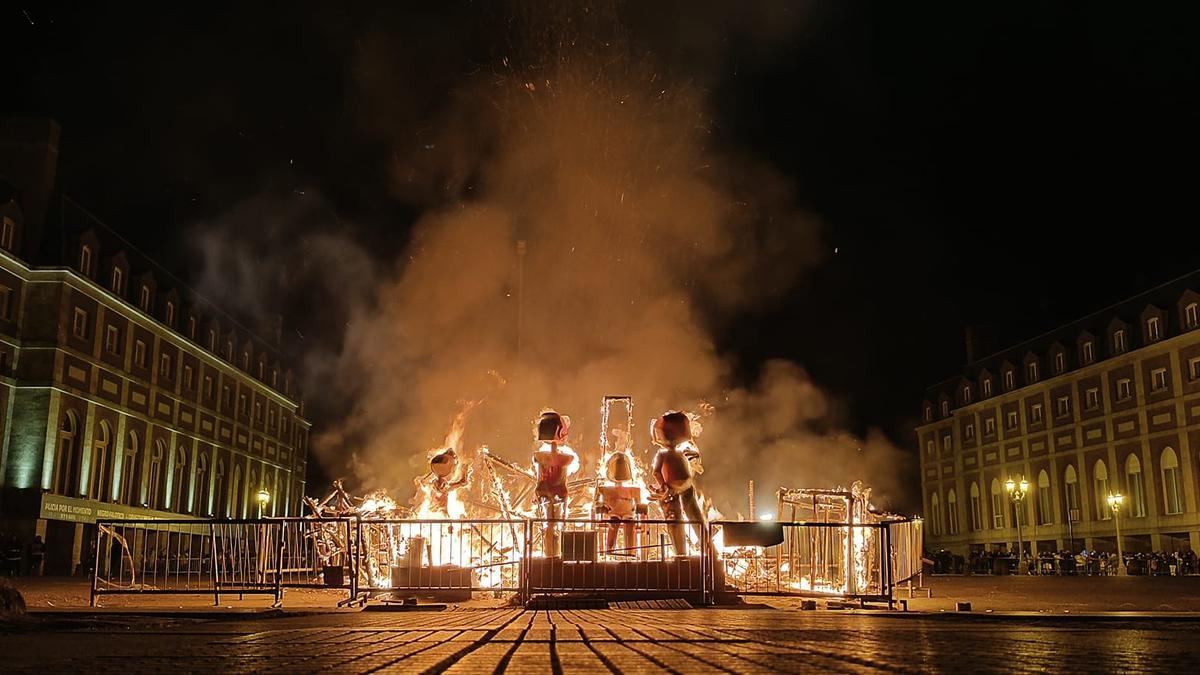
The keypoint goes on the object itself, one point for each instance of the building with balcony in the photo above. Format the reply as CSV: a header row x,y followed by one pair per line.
x,y
123,393
1107,404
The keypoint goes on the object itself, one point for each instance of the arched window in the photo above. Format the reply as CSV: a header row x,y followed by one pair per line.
x,y
1137,487
220,496
100,470
252,488
66,465
1045,504
1071,493
236,501
1172,497
952,511
997,505
179,486
976,508
156,495
1190,318
1100,490
200,491
131,471
935,520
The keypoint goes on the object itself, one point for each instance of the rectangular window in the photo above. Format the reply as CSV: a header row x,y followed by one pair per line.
x,y
1153,330
1035,413
227,396
1089,352
1063,406
1124,389
945,408
929,448
139,354
80,323
997,511
208,386
271,419
144,299
1060,363
970,432
1119,342
1190,318
1158,379
989,426
1010,421
258,410
987,387
967,394
242,403
112,340
164,366
1194,367
6,303
118,280
1008,380
946,443
1031,371
8,233
1091,398
187,376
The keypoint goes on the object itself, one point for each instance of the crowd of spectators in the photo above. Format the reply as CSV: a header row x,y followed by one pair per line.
x,y
1091,563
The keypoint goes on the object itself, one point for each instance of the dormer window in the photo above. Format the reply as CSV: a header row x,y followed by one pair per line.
x,y
967,394
1153,331
212,340
170,313
117,283
144,299
246,361
1089,352
1031,371
8,234
1009,380
1119,341
85,260
987,387
262,372
928,413
1190,318
191,330
945,408
229,351
1060,363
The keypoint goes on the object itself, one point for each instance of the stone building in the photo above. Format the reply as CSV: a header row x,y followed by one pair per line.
x,y
1109,403
122,394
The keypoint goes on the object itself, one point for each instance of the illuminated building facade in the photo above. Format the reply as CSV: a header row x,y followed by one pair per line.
x,y
121,393
1106,404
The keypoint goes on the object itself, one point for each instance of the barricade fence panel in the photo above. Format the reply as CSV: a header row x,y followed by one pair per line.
x,y
454,558
785,558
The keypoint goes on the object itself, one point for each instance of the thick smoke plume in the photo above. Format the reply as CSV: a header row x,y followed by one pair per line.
x,y
584,237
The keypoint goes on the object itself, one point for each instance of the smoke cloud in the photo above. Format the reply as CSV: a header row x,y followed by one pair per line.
x,y
582,235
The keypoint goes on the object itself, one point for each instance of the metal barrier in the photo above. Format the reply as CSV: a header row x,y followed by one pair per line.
x,y
452,559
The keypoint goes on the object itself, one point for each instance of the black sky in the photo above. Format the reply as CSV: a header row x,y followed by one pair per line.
x,y
1005,165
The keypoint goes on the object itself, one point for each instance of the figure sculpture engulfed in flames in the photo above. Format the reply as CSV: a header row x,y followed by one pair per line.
x,y
478,514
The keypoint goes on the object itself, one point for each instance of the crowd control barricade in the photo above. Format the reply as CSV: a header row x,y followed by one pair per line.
x,y
187,556
451,559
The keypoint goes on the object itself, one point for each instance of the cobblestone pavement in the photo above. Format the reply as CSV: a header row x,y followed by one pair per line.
x,y
683,641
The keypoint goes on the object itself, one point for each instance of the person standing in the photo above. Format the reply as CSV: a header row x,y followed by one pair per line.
x,y
37,555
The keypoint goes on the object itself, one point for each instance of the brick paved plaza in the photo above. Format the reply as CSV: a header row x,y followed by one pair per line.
x,y
687,641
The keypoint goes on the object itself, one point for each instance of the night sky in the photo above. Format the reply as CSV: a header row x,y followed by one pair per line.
x,y
1002,165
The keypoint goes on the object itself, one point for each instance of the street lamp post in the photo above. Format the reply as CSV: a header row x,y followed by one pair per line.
x,y
1017,492
1115,502
263,498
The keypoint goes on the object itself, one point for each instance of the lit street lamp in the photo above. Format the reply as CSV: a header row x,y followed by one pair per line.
x,y
1017,491
1115,502
263,498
